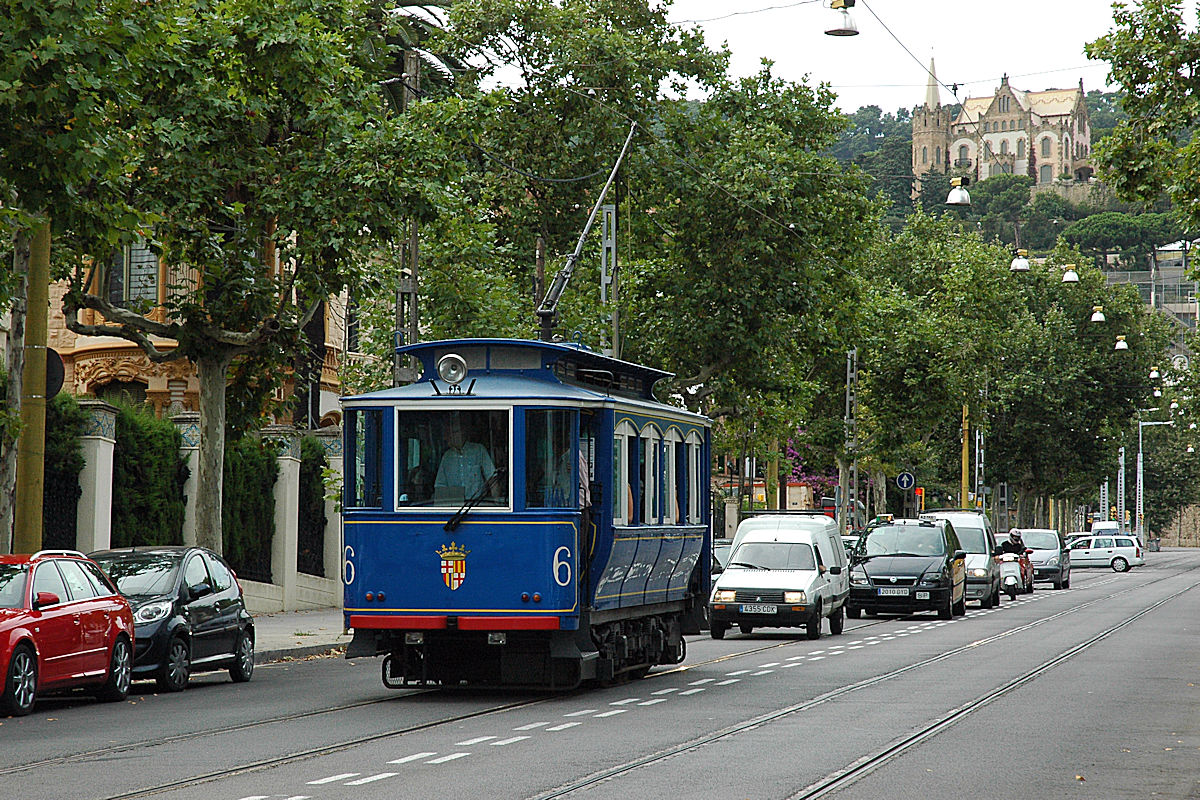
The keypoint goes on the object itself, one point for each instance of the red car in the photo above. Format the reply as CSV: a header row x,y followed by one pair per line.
x,y
62,625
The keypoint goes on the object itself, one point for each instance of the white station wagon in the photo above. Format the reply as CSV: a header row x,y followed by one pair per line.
x,y
1119,551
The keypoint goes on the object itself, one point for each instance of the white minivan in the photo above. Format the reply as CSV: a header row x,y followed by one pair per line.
x,y
785,570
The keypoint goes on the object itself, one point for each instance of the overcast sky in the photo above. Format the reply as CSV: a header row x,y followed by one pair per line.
x,y
1039,43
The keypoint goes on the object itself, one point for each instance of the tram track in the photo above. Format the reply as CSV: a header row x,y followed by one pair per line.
x,y
349,743
867,764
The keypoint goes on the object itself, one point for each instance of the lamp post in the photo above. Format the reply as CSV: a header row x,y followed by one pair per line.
x,y
1138,491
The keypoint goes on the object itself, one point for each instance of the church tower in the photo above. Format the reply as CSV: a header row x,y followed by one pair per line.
x,y
930,134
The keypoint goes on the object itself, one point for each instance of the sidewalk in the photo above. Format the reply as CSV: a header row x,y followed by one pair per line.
x,y
298,634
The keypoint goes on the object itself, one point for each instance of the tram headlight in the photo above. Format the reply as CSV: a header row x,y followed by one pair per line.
x,y
452,368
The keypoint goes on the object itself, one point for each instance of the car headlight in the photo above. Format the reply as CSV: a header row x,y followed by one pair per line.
x,y
795,597
932,578
152,612
1053,562
977,572
724,596
859,577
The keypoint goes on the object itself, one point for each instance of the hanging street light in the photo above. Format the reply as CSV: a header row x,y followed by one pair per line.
x,y
1020,262
845,26
1122,345
959,196
1070,275
1097,313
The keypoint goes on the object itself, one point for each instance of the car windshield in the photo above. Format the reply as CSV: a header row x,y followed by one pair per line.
x,y
906,540
446,458
141,573
773,555
1040,540
12,585
972,539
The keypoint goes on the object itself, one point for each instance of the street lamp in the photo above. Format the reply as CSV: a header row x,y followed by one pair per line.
x,y
959,196
1121,344
1070,275
1020,262
1098,314
845,26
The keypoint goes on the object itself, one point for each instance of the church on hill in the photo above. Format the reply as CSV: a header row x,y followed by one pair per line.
x,y
1044,135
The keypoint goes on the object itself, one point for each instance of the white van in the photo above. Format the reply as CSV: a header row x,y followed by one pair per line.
x,y
785,570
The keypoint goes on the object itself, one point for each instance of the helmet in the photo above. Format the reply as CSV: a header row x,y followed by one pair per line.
x,y
1014,535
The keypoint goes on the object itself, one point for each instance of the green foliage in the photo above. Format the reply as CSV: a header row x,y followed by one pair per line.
x,y
65,424
248,507
148,481
868,129
311,555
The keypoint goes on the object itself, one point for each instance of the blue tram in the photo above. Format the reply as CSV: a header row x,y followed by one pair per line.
x,y
526,514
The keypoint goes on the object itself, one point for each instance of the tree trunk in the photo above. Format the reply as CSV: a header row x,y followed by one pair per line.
x,y
844,487
211,371
14,360
879,478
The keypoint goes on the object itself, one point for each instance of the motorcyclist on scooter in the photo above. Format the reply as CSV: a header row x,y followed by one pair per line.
x,y
1013,544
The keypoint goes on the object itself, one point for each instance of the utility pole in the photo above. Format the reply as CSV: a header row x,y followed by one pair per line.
x,y
851,517
407,300
965,484
31,446
608,274
1121,489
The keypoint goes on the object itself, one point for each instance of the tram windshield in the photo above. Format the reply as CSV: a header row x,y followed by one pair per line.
x,y
446,458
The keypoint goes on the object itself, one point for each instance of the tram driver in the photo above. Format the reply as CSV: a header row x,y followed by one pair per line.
x,y
465,466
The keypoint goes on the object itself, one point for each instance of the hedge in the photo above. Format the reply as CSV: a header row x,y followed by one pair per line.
x,y
310,557
65,424
248,507
148,480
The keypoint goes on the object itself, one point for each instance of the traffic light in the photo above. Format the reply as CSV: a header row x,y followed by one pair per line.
x,y
920,494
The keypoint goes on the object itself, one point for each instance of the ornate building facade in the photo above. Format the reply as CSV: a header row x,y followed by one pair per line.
x,y
1044,135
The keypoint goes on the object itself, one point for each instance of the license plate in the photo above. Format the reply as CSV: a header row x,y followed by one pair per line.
x,y
922,595
890,591
758,608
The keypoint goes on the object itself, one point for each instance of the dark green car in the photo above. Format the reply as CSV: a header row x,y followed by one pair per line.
x,y
908,565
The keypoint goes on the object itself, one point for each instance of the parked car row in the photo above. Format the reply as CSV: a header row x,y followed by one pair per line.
x,y
68,621
789,569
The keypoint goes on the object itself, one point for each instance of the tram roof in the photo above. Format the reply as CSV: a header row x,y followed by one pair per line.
x,y
521,368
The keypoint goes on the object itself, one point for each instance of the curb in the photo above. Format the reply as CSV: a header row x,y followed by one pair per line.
x,y
296,653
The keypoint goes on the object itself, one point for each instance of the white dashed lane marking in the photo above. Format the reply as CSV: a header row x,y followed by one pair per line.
x,y
372,778
450,757
335,778
762,672
626,701
583,713
738,672
414,757
509,740
614,712
653,702
693,691
531,726
702,681
476,740
727,682
666,691
564,726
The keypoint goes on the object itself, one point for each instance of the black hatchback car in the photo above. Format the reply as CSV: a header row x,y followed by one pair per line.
x,y
909,565
188,613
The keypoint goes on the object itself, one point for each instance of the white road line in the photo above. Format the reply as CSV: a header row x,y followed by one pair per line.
x,y
531,726
761,672
583,713
838,653
769,664
856,641
299,797
335,778
693,691
653,702
450,757
817,658
476,740
372,778
702,681
816,652
626,701
871,643
564,726
666,691
615,711
727,682
738,672
797,658
509,740
855,647
414,757
257,797
792,664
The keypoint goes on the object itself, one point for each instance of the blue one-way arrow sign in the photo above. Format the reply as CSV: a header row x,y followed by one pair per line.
x,y
906,481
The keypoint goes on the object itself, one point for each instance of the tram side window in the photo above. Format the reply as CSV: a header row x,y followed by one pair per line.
x,y
624,457
447,457
671,493
650,476
551,460
693,478
365,433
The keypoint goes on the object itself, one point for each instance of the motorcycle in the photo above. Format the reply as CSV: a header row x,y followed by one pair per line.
x,y
1016,574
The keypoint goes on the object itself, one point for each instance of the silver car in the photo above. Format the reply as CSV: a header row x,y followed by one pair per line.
x,y
1119,551
1051,557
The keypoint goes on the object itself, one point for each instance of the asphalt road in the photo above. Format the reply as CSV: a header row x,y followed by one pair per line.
x,y
1090,692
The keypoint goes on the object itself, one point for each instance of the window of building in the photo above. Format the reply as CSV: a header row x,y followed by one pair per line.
x,y
937,155
1020,148
1045,147
133,276
964,153
924,155
1045,174
1004,147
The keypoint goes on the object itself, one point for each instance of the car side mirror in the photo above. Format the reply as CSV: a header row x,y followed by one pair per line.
x,y
835,570
960,554
199,590
44,599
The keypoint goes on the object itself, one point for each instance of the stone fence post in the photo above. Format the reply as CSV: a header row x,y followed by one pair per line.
x,y
93,517
331,440
188,423
285,544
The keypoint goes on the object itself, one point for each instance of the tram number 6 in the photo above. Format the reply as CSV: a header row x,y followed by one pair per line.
x,y
348,576
562,566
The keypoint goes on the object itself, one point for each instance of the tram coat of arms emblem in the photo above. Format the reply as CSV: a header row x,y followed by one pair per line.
x,y
454,565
